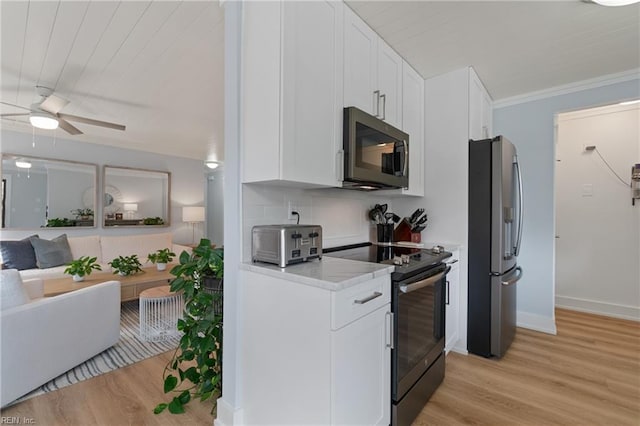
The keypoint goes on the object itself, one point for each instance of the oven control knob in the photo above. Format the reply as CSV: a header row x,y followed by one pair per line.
x,y
397,260
405,258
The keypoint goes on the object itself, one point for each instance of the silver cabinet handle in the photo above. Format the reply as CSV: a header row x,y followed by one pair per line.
x,y
377,93
448,295
389,323
516,279
367,299
384,106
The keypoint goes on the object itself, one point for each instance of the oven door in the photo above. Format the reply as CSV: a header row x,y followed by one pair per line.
x,y
418,304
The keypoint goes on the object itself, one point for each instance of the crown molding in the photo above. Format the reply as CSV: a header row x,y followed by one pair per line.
x,y
577,86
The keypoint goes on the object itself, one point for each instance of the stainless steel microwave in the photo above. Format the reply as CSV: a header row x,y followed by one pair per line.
x,y
376,154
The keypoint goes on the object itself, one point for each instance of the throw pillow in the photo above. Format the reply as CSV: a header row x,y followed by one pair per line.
x,y
18,254
52,253
12,292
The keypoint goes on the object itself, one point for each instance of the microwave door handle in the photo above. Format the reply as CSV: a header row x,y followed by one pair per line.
x,y
406,157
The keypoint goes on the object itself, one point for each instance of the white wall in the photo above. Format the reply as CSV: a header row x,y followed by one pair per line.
x,y
187,178
598,249
530,126
215,207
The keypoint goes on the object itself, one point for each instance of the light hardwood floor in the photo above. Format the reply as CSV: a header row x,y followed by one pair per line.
x,y
589,374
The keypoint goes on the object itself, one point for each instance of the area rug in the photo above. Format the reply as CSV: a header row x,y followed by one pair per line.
x,y
128,350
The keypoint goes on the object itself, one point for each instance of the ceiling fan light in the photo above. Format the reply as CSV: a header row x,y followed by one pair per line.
x,y
615,2
43,121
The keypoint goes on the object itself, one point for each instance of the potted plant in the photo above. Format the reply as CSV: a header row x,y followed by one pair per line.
x,y
58,222
153,221
195,369
83,214
81,267
161,257
126,265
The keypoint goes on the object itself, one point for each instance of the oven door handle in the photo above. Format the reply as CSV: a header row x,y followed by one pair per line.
x,y
424,283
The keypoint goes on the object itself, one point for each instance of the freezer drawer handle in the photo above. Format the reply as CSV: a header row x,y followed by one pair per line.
x,y
367,299
424,283
516,279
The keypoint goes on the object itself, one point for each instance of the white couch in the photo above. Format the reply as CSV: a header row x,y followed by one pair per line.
x,y
42,338
107,248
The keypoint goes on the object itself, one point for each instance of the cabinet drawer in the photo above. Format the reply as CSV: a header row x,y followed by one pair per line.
x,y
355,302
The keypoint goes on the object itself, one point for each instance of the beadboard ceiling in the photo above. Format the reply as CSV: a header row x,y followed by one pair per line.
x,y
157,66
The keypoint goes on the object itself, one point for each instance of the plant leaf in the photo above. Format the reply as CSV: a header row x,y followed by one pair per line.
x,y
160,408
185,397
170,383
193,375
175,406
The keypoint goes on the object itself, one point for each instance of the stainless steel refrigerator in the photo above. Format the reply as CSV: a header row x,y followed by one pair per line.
x,y
495,235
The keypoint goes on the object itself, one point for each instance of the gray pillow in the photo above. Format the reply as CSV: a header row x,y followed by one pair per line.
x,y
52,253
18,254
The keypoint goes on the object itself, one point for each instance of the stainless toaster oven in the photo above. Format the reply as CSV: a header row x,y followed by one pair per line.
x,y
286,244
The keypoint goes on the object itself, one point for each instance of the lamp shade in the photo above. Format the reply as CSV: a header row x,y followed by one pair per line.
x,y
193,214
130,207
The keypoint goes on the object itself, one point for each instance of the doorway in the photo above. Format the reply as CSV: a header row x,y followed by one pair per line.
x,y
597,226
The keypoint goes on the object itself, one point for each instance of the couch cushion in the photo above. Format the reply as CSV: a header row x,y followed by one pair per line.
x,y
18,254
127,245
12,292
52,253
86,246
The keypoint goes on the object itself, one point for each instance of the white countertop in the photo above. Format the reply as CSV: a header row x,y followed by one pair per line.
x,y
330,273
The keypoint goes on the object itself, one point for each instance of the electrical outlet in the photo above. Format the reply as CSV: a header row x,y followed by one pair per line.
x,y
291,207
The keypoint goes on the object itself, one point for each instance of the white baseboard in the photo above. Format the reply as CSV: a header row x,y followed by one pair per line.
x,y
227,415
600,308
536,322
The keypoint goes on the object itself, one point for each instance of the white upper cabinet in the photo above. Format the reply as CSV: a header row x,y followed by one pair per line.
x,y
372,71
413,124
292,92
480,109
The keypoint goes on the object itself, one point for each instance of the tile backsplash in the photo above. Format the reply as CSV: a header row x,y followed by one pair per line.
x,y
341,213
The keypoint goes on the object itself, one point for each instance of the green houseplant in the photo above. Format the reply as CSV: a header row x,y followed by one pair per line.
x,y
126,265
195,369
81,267
57,222
82,214
161,257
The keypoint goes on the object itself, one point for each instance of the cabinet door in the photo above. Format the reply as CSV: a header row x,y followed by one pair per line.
x,y
390,84
361,376
475,107
487,114
452,307
312,91
360,58
413,124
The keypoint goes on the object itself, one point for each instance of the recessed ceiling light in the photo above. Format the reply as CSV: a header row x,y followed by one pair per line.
x,y
212,164
43,120
23,164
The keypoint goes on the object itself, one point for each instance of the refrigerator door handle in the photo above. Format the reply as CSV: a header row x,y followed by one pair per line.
x,y
516,279
516,249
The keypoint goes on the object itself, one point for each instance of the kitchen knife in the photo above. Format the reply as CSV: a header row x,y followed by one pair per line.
x,y
422,220
414,217
417,229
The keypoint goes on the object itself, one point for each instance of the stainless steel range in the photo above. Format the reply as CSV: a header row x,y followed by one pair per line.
x,y
418,303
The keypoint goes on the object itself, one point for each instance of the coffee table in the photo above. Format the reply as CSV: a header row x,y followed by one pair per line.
x,y
130,286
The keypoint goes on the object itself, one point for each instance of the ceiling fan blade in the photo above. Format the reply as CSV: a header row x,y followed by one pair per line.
x,y
92,121
14,115
53,104
14,105
68,127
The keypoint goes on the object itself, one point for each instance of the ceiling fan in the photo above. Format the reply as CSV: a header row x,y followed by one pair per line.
x,y
46,114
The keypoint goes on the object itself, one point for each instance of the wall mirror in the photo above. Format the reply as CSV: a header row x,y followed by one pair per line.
x,y
135,197
41,192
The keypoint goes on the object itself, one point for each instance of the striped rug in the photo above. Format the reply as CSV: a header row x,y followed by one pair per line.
x,y
128,350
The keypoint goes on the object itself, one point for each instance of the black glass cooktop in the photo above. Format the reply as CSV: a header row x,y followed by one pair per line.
x,y
416,260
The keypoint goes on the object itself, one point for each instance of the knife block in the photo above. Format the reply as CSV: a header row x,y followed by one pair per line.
x,y
402,231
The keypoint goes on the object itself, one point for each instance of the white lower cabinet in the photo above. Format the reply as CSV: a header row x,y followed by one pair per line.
x,y
452,322
315,356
